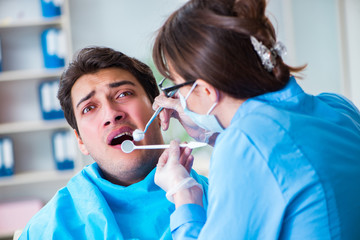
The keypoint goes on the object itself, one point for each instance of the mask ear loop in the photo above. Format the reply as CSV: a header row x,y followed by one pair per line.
x,y
191,90
214,105
212,108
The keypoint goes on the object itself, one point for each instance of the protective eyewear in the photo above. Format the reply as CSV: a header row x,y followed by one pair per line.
x,y
169,89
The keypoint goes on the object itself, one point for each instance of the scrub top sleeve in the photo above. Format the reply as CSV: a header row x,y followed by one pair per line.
x,y
187,221
341,103
245,201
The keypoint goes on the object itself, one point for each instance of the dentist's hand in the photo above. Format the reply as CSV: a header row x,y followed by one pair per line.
x,y
173,166
172,175
173,108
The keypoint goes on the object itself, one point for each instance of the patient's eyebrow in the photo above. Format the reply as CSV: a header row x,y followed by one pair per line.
x,y
120,83
92,93
111,85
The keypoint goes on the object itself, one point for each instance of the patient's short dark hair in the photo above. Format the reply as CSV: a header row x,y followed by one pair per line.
x,y
92,59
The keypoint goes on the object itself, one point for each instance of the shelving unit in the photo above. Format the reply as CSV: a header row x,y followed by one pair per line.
x,y
35,174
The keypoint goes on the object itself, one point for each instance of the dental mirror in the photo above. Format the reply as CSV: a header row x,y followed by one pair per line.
x,y
128,146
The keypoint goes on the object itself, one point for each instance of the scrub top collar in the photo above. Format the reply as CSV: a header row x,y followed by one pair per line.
x,y
292,89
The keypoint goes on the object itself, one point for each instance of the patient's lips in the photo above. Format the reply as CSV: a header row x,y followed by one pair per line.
x,y
120,135
120,138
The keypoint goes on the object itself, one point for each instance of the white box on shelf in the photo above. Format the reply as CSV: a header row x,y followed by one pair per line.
x,y
49,104
64,151
0,57
51,8
6,157
53,45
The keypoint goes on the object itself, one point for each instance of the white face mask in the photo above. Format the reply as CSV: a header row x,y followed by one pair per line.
x,y
207,122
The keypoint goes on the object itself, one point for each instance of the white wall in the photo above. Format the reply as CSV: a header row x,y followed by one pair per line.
x,y
310,32
317,43
325,35
125,25
349,11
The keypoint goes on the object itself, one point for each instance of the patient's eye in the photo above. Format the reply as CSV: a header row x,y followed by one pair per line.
x,y
87,109
124,94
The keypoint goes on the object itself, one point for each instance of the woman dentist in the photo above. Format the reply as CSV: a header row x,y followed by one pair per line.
x,y
285,164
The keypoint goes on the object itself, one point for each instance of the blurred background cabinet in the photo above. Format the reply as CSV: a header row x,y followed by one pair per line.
x,y
24,69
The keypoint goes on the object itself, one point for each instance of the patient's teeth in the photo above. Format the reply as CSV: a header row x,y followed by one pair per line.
x,y
117,139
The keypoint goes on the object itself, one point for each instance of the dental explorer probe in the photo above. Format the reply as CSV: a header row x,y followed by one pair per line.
x,y
138,134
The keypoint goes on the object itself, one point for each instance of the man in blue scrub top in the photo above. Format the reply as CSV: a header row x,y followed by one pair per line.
x,y
105,96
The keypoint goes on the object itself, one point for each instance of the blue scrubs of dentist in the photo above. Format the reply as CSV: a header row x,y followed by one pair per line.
x,y
285,164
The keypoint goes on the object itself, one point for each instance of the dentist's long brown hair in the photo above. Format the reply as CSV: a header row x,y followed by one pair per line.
x,y
210,40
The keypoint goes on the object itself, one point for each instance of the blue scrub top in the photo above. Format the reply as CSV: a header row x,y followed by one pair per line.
x,y
90,207
287,167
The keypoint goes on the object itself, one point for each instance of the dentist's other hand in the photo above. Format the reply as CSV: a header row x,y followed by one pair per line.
x,y
173,166
173,108
172,175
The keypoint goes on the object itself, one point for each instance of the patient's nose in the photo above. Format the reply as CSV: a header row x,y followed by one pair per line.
x,y
112,115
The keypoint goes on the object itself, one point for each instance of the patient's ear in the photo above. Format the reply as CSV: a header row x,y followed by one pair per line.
x,y
81,145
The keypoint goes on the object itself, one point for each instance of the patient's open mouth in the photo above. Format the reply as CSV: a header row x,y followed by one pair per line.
x,y
118,139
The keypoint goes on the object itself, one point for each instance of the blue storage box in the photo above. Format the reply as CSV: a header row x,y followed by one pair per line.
x,y
64,150
6,157
53,46
49,104
51,8
0,57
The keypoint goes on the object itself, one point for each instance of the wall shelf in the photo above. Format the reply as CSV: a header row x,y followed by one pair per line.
x,y
21,75
34,126
9,24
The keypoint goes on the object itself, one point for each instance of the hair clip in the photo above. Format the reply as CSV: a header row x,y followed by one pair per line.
x,y
280,49
266,55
